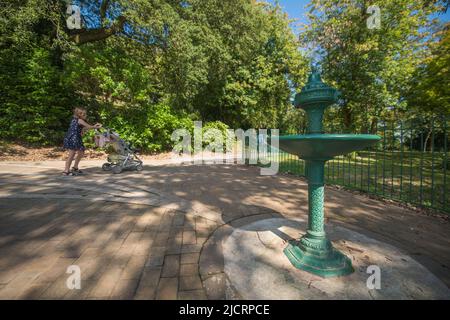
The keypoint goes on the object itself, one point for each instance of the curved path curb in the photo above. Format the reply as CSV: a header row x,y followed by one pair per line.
x,y
237,250
216,283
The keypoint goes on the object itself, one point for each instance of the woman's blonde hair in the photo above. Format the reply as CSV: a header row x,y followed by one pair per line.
x,y
78,111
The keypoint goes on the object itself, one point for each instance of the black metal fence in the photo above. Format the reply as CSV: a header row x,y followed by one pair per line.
x,y
410,164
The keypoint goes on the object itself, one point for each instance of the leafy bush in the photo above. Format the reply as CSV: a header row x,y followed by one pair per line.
x,y
149,129
88,139
36,103
210,137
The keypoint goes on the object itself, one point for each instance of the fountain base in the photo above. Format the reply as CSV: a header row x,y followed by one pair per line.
x,y
317,255
254,267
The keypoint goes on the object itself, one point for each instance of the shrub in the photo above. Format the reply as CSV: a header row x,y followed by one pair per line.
x,y
36,103
150,128
209,137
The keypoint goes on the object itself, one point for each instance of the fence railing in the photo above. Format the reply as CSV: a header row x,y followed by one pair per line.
x,y
410,164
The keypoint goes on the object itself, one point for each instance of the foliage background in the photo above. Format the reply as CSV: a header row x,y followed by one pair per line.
x,y
148,67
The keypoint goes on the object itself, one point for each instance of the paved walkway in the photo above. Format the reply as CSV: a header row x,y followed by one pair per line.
x,y
143,235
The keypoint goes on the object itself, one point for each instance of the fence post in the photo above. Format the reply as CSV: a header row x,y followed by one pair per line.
x,y
432,162
392,158
445,164
401,159
421,166
384,157
428,185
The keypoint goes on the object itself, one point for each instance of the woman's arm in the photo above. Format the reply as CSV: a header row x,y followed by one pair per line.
x,y
87,125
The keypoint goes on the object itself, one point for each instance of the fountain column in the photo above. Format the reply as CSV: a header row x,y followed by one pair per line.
x,y
316,197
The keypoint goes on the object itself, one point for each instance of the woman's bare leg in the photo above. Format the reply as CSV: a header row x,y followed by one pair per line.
x,y
80,155
69,160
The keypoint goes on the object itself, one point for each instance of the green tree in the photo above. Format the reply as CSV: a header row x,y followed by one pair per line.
x,y
372,67
146,66
429,89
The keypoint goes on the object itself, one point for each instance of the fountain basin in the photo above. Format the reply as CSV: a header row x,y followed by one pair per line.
x,y
325,146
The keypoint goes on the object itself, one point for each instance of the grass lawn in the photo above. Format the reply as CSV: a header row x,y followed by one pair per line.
x,y
412,177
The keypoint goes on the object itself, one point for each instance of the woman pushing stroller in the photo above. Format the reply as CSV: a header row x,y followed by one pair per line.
x,y
73,141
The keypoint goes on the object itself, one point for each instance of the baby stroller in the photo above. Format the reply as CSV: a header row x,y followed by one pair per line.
x,y
123,156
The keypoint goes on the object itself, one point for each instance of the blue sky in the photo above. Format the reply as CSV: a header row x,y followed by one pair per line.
x,y
296,9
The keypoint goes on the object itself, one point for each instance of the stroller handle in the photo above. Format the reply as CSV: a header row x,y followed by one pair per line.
x,y
103,128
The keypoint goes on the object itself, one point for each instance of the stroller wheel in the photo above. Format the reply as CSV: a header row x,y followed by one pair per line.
x,y
139,167
106,167
117,169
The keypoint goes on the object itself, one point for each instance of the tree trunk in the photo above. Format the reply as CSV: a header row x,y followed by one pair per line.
x,y
374,126
86,36
426,140
347,115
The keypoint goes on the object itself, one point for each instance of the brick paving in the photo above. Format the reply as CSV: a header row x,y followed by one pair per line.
x,y
144,235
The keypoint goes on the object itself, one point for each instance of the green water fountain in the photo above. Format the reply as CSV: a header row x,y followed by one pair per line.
x,y
314,252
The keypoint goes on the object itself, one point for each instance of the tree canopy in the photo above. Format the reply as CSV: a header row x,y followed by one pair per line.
x,y
147,67
373,67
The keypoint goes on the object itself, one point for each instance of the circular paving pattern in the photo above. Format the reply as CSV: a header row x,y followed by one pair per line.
x,y
256,268
162,234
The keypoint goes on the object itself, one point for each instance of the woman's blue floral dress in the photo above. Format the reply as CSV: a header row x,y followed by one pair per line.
x,y
73,140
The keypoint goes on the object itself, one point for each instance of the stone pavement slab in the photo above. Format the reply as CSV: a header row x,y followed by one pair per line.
x,y
258,269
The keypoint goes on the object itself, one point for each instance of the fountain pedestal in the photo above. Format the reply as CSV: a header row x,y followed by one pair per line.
x,y
314,252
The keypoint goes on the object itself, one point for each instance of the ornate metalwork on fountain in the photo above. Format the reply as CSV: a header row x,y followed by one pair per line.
x,y
314,98
315,198
314,252
316,195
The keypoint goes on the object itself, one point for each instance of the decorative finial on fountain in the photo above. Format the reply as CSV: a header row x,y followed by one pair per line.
x,y
314,98
314,77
